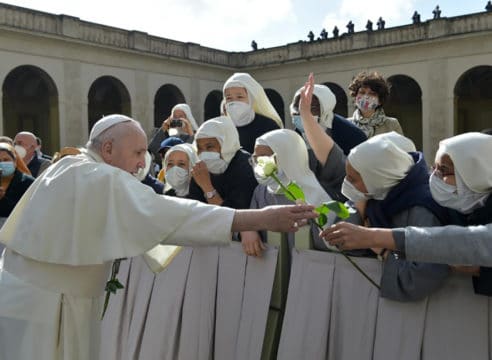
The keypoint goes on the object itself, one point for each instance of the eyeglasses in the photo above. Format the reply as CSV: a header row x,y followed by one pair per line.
x,y
440,171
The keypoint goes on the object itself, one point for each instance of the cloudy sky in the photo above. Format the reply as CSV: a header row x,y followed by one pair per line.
x,y
231,25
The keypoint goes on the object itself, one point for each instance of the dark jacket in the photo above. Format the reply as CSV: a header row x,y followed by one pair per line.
x,y
249,133
154,184
235,185
17,187
345,134
37,165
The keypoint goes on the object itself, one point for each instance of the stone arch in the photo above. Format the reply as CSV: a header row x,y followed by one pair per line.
x,y
473,100
30,103
341,108
277,102
405,104
211,107
107,95
165,98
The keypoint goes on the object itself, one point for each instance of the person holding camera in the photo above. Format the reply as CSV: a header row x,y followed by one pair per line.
x,y
180,123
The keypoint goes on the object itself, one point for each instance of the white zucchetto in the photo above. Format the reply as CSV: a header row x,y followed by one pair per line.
x,y
106,122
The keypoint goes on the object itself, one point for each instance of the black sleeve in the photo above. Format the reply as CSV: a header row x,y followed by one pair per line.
x,y
483,284
240,184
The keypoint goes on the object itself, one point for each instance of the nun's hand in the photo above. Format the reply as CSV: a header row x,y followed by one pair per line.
x,y
202,176
187,126
348,236
306,98
252,244
166,124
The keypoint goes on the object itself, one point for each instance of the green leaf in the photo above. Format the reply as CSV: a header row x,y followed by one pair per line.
x,y
338,208
322,209
296,190
322,220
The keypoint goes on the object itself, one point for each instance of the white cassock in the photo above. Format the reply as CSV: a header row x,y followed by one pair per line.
x,y
61,239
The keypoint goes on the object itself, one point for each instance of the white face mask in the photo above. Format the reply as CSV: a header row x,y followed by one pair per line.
x,y
20,151
352,193
215,164
240,112
459,198
179,179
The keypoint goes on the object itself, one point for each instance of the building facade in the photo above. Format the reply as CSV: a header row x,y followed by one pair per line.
x,y
59,74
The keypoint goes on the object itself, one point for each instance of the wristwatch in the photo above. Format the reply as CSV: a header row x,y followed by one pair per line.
x,y
210,194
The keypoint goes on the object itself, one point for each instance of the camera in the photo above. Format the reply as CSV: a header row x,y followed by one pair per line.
x,y
176,123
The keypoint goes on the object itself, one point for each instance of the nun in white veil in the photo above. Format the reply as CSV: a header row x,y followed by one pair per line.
x,y
249,108
391,189
178,162
180,123
292,163
222,176
313,117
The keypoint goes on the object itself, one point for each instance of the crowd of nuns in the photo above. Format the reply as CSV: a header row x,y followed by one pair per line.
x,y
364,161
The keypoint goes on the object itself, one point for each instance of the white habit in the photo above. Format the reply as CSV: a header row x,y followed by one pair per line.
x,y
61,239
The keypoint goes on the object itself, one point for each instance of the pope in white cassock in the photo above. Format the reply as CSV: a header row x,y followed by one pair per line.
x,y
81,214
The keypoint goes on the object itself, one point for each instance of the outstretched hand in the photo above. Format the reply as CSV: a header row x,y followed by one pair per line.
x,y
348,236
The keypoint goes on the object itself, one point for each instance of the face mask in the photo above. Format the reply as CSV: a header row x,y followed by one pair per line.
x,y
459,198
297,121
179,180
7,168
240,112
366,102
20,151
352,193
214,163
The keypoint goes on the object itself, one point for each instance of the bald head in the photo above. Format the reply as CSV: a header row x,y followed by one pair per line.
x,y
28,141
122,145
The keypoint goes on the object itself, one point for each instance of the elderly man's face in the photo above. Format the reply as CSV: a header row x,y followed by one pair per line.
x,y
28,142
128,151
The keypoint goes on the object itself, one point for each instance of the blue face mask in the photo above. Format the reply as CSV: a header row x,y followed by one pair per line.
x,y
7,168
297,121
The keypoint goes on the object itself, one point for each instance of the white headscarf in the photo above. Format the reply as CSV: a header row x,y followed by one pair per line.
x,y
256,94
187,110
192,158
470,153
381,164
327,102
292,159
399,140
187,149
223,129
